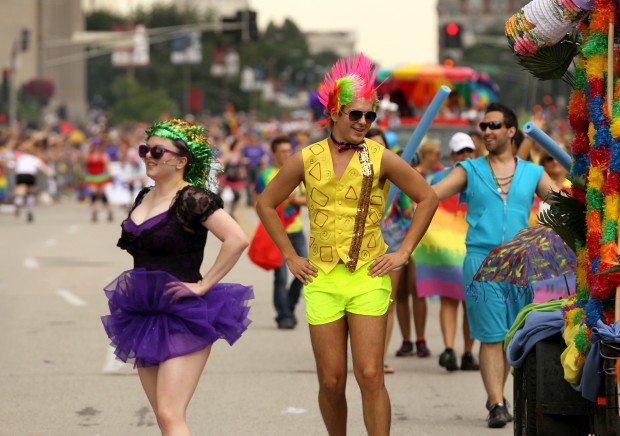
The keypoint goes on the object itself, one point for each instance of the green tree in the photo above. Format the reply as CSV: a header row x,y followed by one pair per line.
x,y
99,70
103,20
281,53
135,102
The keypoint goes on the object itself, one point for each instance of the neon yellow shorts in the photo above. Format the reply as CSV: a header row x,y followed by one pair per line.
x,y
330,295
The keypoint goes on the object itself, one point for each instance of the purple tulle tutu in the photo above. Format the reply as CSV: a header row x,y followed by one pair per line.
x,y
147,328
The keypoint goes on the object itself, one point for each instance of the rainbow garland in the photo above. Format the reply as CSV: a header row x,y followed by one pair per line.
x,y
596,159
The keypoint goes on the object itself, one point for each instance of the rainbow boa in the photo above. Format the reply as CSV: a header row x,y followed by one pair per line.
x,y
596,160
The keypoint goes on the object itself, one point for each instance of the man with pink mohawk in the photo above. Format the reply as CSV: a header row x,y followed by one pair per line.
x,y
347,286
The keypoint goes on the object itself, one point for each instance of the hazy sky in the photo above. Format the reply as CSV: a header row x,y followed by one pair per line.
x,y
391,32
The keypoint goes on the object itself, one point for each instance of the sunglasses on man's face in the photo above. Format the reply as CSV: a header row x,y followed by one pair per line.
x,y
493,125
157,151
356,115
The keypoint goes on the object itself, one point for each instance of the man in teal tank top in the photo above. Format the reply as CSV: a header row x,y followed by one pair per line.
x,y
499,191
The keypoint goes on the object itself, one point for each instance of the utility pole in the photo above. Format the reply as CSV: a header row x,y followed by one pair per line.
x,y
39,33
245,25
187,69
20,44
13,82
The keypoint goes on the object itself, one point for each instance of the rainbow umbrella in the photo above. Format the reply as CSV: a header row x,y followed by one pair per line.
x,y
460,74
535,254
383,73
419,72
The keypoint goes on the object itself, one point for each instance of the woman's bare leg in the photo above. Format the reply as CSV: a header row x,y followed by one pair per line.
x,y
170,387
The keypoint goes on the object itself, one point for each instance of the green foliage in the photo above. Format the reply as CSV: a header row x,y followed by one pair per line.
x,y
280,53
566,216
135,102
552,62
29,110
99,70
103,20
163,15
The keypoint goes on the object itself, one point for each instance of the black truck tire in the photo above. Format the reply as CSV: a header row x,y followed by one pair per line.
x,y
525,397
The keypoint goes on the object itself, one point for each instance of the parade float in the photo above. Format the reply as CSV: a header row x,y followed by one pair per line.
x,y
414,86
567,383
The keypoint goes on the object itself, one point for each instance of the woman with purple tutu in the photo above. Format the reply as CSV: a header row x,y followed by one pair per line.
x,y
164,315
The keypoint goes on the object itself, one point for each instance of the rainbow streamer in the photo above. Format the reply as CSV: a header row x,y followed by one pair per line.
x,y
596,160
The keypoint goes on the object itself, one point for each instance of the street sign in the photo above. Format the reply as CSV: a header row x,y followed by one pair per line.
x,y
186,48
136,53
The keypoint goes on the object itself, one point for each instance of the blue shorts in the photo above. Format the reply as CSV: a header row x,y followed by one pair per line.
x,y
491,306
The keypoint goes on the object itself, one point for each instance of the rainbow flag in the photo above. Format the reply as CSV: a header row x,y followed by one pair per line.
x,y
3,184
439,255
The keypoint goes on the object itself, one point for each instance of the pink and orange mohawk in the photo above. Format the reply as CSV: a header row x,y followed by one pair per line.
x,y
349,80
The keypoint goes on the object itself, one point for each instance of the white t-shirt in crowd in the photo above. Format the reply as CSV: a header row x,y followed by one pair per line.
x,y
27,164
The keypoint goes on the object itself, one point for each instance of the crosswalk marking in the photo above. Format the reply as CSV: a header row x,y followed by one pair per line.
x,y
70,297
30,263
112,364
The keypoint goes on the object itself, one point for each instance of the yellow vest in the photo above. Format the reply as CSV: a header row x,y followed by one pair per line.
x,y
332,206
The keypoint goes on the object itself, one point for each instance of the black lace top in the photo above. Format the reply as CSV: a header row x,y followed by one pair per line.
x,y
176,243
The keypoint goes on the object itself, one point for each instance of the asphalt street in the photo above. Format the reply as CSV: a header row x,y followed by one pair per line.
x,y
59,377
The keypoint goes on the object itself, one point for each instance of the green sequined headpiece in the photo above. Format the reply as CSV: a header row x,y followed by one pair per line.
x,y
195,137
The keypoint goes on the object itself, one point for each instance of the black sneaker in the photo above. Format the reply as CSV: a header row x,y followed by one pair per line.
x,y
286,324
447,359
468,362
406,349
423,350
507,405
498,416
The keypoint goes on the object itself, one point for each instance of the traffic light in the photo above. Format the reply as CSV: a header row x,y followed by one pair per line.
x,y
252,26
242,26
232,27
6,77
452,35
448,62
25,39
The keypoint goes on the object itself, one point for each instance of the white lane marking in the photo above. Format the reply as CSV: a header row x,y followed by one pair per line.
x,y
50,242
30,263
70,297
7,208
112,364
293,410
72,229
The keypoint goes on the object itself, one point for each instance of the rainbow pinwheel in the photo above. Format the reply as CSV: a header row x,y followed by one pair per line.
x,y
535,254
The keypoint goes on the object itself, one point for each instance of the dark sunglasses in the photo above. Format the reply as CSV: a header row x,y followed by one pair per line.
x,y
355,115
157,151
465,150
493,125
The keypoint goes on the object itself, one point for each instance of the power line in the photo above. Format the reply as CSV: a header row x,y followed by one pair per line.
x,y
117,39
